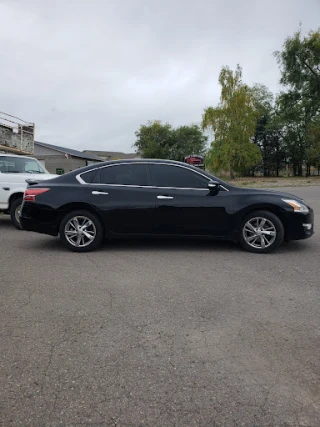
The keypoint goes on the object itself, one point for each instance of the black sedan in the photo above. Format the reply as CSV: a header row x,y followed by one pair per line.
x,y
160,198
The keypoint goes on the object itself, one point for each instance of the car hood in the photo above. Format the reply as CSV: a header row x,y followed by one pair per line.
x,y
21,178
270,193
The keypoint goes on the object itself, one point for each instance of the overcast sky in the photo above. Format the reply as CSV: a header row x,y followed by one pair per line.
x,y
89,73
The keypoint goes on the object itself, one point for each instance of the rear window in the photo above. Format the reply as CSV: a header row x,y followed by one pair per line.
x,y
89,176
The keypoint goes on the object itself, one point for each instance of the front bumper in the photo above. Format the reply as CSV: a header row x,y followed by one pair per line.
x,y
299,225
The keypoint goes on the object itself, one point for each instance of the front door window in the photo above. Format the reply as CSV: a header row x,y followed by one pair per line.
x,y
167,176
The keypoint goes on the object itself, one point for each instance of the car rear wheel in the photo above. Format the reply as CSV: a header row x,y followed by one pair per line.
x,y
261,232
15,211
81,231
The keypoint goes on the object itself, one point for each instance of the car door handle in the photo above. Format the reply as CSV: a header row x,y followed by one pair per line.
x,y
164,197
96,193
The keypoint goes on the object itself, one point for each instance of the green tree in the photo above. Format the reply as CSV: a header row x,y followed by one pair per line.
x,y
161,141
188,140
299,103
233,124
268,132
294,114
263,99
313,145
300,64
154,140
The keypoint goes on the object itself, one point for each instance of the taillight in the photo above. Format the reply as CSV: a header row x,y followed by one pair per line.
x,y
31,193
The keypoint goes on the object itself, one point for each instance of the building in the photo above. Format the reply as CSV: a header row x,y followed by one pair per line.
x,y
113,155
16,135
61,159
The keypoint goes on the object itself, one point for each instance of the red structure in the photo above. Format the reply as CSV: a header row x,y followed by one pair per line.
x,y
195,160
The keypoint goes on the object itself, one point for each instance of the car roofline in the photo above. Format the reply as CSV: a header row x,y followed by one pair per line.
x,y
76,173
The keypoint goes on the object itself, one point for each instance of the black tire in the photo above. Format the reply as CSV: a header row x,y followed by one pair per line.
x,y
272,225
14,208
96,229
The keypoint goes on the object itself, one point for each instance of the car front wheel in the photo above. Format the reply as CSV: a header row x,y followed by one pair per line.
x,y
261,232
81,231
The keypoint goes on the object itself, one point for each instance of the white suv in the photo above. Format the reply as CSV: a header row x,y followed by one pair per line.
x,y
14,171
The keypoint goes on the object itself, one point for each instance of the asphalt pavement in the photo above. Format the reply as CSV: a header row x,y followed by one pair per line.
x,y
159,333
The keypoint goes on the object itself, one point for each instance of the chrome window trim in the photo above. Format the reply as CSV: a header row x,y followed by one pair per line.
x,y
81,181
151,186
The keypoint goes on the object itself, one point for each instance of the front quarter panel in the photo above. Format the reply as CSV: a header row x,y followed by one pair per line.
x,y
244,203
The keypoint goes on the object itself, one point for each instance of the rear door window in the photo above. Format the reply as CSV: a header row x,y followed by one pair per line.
x,y
136,174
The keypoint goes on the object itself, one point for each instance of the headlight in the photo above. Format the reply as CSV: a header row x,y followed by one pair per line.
x,y
297,207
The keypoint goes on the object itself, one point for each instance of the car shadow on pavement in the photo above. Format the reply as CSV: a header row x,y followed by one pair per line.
x,y
5,222
168,244
294,246
52,244
193,245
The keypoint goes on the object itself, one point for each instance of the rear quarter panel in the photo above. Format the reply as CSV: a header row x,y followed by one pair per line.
x,y
54,204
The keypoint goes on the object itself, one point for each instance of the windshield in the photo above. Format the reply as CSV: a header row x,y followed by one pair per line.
x,y
10,164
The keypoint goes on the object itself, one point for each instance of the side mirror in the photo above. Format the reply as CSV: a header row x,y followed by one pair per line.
x,y
213,185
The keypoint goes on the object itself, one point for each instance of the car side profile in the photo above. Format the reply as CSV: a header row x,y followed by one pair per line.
x,y
160,198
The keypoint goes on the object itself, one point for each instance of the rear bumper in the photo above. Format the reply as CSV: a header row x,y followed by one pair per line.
x,y
28,224
43,221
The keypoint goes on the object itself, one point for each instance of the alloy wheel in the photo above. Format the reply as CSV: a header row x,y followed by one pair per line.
x,y
259,232
80,231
